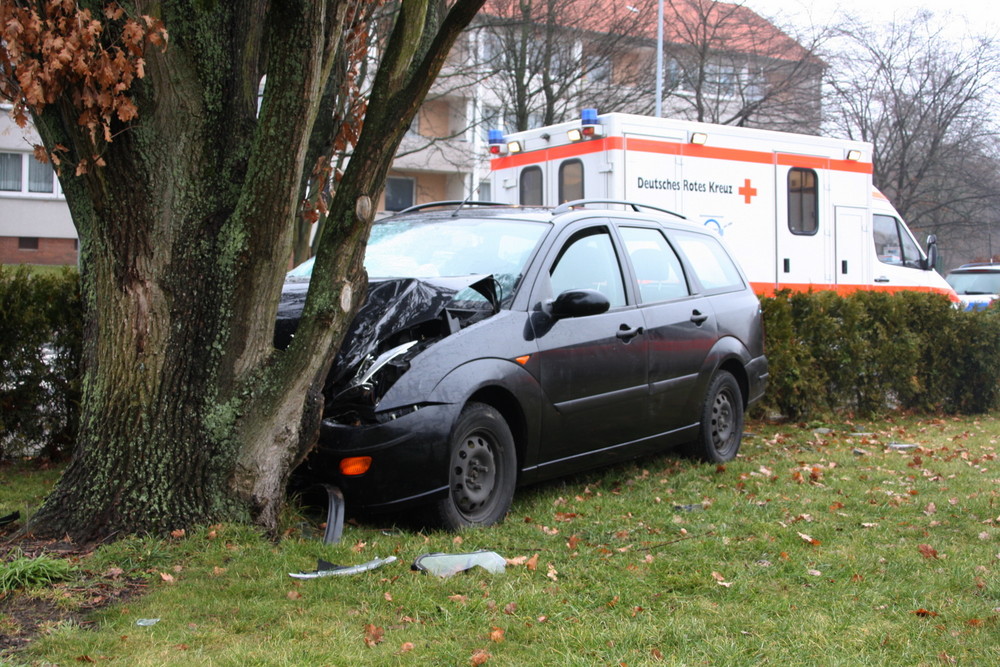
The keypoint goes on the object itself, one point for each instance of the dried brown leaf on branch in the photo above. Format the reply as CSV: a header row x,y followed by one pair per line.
x,y
54,50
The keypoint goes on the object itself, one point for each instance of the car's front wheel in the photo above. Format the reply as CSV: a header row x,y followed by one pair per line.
x,y
482,472
721,420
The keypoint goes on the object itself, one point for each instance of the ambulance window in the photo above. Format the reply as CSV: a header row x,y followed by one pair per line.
x,y
894,245
531,186
803,203
570,181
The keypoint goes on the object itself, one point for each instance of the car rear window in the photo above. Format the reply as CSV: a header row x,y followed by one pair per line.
x,y
710,262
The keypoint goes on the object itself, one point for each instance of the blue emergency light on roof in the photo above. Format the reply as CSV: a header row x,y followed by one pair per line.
x,y
590,127
496,142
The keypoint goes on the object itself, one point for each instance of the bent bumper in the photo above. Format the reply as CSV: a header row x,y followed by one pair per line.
x,y
409,458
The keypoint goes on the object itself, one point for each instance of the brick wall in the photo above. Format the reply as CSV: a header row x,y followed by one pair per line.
x,y
50,251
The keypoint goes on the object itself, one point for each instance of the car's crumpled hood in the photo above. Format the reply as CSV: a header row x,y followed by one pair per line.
x,y
393,306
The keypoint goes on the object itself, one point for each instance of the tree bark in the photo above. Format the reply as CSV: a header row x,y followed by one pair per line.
x,y
189,414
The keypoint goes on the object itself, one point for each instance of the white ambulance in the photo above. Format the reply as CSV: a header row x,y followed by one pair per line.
x,y
798,211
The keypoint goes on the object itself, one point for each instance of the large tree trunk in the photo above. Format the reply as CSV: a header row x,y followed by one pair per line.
x,y
189,413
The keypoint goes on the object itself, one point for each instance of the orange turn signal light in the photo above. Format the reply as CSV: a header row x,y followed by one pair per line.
x,y
356,465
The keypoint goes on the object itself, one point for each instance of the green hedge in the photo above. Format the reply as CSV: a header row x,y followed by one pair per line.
x,y
40,352
872,352
864,354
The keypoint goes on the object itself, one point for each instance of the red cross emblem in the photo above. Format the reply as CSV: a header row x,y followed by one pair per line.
x,y
748,191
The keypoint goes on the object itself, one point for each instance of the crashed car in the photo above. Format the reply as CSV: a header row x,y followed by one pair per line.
x,y
500,346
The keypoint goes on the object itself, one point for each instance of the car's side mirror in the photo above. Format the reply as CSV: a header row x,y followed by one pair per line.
x,y
932,252
578,303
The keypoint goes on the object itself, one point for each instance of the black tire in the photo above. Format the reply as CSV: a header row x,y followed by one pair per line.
x,y
721,420
482,471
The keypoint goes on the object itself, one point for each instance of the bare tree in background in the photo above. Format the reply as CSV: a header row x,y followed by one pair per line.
x,y
548,58
927,103
727,64
723,62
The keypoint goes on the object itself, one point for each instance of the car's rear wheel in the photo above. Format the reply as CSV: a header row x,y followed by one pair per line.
x,y
482,472
721,420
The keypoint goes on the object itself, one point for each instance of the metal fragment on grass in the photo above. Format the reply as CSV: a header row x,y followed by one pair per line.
x,y
327,569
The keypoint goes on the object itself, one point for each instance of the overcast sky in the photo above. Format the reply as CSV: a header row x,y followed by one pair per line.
x,y
964,17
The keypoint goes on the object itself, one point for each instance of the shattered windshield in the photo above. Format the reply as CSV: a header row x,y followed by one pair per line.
x,y
421,248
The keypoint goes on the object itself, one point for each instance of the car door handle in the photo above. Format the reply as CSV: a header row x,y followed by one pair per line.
x,y
881,279
626,333
698,318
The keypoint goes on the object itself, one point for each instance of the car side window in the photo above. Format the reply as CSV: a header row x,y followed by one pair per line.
x,y
657,267
710,262
588,261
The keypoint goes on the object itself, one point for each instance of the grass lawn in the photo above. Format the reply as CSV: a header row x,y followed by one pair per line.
x,y
822,544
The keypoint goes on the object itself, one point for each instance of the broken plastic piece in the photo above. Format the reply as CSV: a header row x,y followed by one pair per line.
x,y
445,565
146,622
334,515
900,446
327,569
9,518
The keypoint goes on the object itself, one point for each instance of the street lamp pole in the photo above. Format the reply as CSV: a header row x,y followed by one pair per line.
x,y
659,60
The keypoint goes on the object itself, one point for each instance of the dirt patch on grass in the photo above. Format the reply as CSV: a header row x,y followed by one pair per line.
x,y
25,614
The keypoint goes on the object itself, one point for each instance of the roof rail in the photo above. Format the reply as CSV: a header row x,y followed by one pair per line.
x,y
459,203
565,206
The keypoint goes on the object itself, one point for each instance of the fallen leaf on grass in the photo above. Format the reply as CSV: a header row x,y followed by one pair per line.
x,y
721,580
552,573
168,578
814,573
510,608
479,657
459,598
923,613
927,551
930,509
177,534
406,647
532,563
294,595
497,634
373,635
811,540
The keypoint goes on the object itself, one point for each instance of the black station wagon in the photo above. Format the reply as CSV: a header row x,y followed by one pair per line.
x,y
501,346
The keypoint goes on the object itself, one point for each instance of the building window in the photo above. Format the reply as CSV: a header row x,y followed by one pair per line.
x,y
399,193
21,173
27,243
10,172
803,202
570,181
531,187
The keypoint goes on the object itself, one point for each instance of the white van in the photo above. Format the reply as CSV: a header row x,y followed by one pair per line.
x,y
800,212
